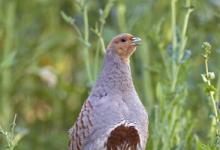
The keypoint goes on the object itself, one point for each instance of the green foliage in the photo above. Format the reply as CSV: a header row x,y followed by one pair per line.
x,y
11,137
52,51
211,90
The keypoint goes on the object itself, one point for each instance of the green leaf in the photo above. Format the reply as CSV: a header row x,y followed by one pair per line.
x,y
67,18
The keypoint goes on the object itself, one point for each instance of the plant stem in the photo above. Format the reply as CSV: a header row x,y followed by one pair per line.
x,y
173,21
211,93
218,88
86,39
174,43
6,72
184,30
98,32
176,63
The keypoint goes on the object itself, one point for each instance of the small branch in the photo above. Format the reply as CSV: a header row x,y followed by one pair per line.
x,y
173,22
178,48
98,31
83,38
86,39
174,43
184,30
210,89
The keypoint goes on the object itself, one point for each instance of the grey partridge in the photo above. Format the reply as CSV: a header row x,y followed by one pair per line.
x,y
112,117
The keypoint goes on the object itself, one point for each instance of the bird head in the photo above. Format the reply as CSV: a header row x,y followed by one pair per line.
x,y
124,45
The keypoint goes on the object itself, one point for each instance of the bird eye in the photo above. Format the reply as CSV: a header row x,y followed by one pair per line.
x,y
123,40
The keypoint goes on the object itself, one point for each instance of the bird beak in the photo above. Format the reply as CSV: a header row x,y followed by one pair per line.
x,y
136,41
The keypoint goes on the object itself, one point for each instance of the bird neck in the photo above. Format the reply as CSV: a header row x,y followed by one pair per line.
x,y
115,75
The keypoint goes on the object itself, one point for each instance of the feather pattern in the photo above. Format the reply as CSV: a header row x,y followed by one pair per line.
x,y
113,117
82,128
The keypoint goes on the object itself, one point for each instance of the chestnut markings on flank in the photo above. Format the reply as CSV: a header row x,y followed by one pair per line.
x,y
124,138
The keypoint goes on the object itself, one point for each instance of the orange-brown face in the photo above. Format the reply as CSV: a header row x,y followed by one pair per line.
x,y
124,45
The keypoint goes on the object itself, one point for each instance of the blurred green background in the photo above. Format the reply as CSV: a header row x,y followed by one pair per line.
x,y
44,79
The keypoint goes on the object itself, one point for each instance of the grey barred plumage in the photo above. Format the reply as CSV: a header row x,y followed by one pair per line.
x,y
113,117
82,127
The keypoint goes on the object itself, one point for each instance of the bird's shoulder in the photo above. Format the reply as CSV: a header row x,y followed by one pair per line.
x,y
82,127
92,117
